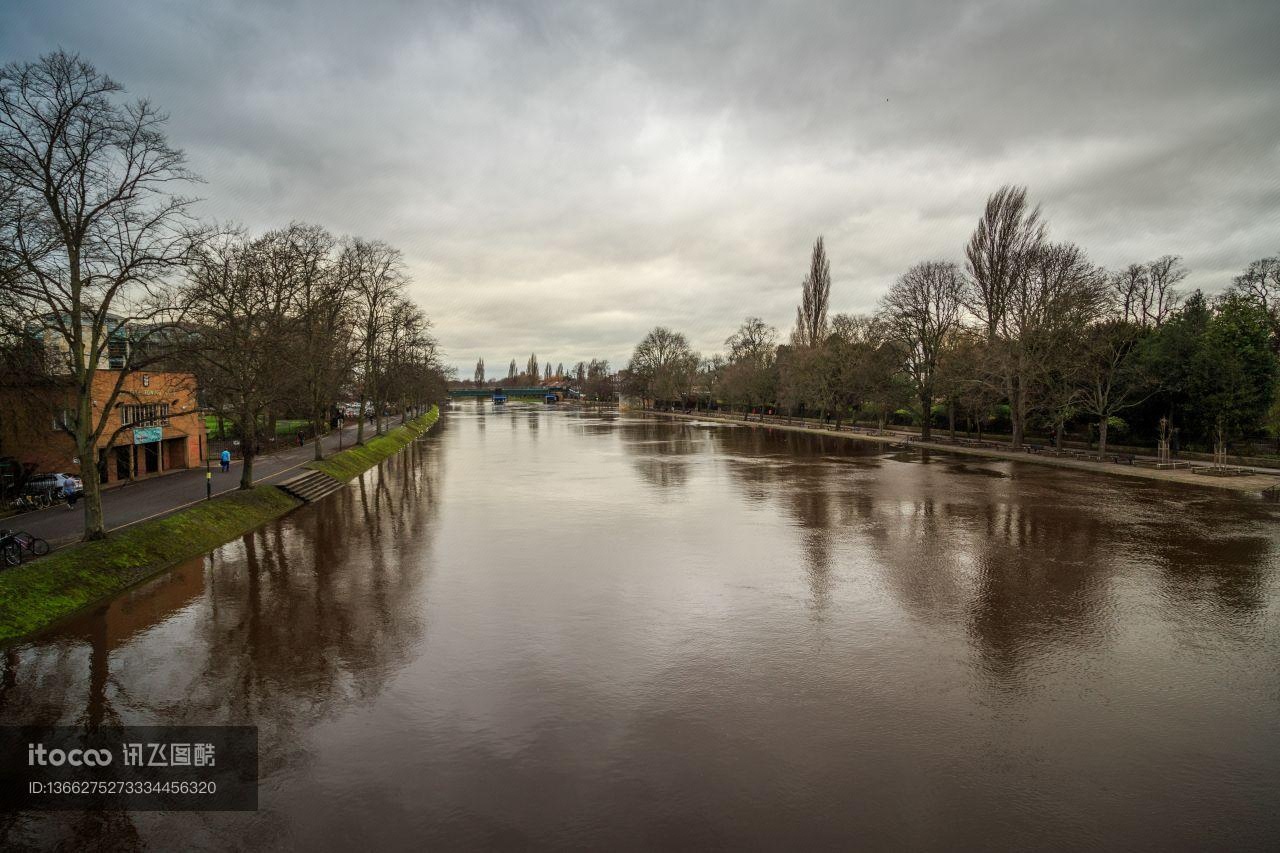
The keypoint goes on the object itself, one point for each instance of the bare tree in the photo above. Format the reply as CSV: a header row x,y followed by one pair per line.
x,y
662,366
302,256
97,235
413,373
921,311
376,271
1260,284
511,371
598,380
748,376
531,369
1056,296
1146,294
1007,236
811,313
242,319
1112,376
478,376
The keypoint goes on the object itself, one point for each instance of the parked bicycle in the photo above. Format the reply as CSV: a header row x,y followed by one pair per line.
x,y
33,545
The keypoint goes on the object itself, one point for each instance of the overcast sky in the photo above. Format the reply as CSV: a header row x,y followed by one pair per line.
x,y
564,176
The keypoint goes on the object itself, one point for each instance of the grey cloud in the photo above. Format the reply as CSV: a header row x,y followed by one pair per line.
x,y
564,176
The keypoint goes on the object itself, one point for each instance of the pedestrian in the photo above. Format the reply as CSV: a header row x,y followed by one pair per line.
x,y
225,461
71,493
301,440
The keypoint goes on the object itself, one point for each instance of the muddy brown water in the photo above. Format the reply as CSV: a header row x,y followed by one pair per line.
x,y
555,629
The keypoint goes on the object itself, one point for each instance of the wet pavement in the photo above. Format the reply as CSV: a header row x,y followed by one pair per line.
x,y
556,629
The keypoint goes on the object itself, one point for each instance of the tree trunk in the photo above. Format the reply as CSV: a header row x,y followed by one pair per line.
x,y
316,421
926,416
951,419
94,528
1058,432
360,420
248,452
1102,439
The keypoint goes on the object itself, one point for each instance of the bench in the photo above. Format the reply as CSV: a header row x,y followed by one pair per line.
x,y
1122,458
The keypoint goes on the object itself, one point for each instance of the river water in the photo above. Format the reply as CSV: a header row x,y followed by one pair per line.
x,y
572,630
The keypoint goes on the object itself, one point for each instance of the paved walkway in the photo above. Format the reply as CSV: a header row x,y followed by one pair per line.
x,y
145,499
1251,483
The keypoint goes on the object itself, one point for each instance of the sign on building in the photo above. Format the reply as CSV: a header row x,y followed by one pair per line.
x,y
146,435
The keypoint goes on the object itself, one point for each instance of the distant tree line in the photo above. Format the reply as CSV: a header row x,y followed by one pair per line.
x,y
1025,335
593,379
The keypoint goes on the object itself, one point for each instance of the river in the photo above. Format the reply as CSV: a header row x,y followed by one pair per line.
x,y
558,629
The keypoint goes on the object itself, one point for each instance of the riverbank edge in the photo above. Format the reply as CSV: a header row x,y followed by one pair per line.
x,y
1249,484
39,594
348,464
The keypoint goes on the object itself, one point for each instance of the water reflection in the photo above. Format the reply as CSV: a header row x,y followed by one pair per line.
x,y
304,616
601,630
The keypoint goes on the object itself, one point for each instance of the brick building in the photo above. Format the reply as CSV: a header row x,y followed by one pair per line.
x,y
154,426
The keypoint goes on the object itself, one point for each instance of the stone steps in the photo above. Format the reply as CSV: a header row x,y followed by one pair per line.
x,y
311,486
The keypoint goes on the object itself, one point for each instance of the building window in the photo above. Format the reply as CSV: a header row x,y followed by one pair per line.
x,y
62,421
145,414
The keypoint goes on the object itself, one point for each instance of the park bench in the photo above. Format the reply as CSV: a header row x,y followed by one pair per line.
x,y
1122,458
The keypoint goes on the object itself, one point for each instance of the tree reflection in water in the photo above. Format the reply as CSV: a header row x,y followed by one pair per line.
x,y
280,629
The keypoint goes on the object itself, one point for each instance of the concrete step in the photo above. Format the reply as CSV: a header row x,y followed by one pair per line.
x,y
311,486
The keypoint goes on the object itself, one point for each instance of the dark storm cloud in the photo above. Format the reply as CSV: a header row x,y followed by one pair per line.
x,y
564,176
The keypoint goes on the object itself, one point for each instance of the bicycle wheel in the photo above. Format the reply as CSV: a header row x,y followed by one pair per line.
x,y
11,553
38,546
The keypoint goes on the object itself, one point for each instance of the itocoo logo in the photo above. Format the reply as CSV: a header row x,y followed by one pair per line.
x,y
37,754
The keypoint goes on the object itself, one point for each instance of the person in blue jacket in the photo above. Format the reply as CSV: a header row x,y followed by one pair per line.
x,y
226,461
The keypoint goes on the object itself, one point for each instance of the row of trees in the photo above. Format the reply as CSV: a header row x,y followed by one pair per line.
x,y
1028,334
593,379
100,254
297,319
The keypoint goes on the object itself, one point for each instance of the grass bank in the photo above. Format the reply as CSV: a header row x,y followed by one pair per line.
x,y
1250,484
39,593
349,464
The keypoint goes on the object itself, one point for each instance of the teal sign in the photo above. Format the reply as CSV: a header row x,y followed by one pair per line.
x,y
146,435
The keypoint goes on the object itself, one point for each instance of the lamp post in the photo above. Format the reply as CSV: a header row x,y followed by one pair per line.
x,y
208,479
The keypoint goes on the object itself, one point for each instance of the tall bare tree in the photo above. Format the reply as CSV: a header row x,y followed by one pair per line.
x,y
531,369
478,376
97,235
811,313
921,310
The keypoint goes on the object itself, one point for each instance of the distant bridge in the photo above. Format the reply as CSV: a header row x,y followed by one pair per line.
x,y
538,391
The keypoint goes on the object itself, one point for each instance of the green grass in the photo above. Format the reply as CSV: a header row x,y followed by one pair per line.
x,y
36,594
350,464
285,426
